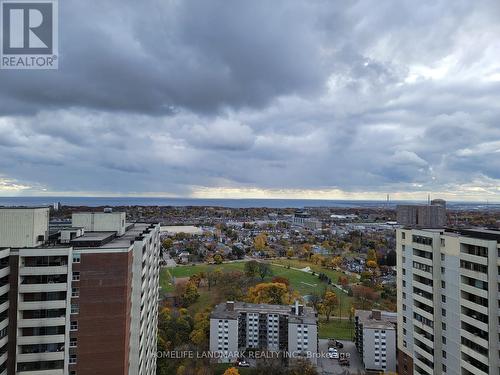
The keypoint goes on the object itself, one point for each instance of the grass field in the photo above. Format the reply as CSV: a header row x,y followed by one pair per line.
x,y
302,282
337,329
296,263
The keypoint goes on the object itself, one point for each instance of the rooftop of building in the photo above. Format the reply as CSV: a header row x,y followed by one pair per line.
x,y
479,232
109,240
221,311
377,319
23,207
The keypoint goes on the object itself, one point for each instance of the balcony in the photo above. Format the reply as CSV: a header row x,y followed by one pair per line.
x,y
42,305
44,339
4,289
474,306
4,271
473,290
472,369
4,305
41,322
36,288
474,338
45,270
39,357
474,322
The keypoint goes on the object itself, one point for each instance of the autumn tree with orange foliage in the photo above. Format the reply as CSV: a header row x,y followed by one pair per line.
x,y
273,293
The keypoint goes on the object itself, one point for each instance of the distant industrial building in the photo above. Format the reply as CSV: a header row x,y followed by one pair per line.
x,y
304,220
432,215
238,326
375,339
82,302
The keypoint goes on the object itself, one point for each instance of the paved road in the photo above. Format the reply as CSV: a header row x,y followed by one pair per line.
x,y
328,366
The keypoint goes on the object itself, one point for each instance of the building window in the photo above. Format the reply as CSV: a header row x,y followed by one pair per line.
x,y
72,359
76,257
75,292
443,298
76,276
75,308
73,325
443,284
403,235
72,342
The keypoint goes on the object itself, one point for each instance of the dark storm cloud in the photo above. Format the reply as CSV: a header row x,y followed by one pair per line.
x,y
157,56
174,96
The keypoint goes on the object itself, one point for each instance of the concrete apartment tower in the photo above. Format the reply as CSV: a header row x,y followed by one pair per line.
x,y
448,301
432,215
83,301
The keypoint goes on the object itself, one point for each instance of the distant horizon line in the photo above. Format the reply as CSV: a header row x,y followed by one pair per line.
x,y
485,201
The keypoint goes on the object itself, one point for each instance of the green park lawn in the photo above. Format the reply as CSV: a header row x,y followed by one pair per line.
x,y
296,263
335,328
302,282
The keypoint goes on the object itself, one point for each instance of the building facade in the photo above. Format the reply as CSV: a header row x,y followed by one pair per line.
x,y
431,215
84,304
375,339
238,326
448,301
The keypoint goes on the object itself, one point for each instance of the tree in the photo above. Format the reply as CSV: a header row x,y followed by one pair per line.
x,y
281,279
371,264
371,255
315,300
251,268
218,258
201,331
167,244
260,242
231,371
190,294
329,303
273,293
302,366
264,270
364,294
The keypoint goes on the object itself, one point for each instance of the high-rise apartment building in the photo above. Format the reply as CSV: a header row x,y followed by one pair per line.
x,y
432,215
237,326
448,301
83,303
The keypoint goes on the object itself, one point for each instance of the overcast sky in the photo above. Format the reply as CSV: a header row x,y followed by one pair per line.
x,y
302,99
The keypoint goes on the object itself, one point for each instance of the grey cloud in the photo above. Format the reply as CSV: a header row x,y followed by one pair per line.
x,y
302,95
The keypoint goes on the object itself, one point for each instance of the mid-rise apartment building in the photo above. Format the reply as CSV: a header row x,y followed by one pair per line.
x,y
83,303
448,301
238,326
375,339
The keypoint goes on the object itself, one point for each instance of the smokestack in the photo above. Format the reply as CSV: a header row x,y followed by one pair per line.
x,y
296,307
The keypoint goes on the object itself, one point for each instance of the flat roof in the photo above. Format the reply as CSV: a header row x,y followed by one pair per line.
x,y
220,311
388,320
109,240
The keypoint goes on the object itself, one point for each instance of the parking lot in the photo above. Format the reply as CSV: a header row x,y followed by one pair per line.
x,y
332,366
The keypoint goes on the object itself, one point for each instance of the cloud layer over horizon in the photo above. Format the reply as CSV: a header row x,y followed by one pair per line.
x,y
248,99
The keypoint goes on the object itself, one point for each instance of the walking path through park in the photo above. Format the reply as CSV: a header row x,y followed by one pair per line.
x,y
307,270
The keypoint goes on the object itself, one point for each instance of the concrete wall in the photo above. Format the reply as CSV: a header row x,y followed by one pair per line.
x,y
100,221
21,227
